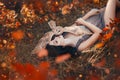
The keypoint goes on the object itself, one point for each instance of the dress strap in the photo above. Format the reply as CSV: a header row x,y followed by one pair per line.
x,y
84,37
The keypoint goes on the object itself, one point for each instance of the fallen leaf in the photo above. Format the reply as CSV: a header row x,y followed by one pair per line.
x,y
29,68
17,35
66,10
17,24
107,71
105,29
99,45
117,63
96,1
100,64
94,77
107,36
12,53
30,35
53,72
18,67
3,65
44,65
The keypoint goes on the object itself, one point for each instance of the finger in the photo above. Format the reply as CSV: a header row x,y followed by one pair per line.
x,y
77,23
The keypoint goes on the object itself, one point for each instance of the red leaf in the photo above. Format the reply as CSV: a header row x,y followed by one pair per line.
x,y
19,68
29,68
12,53
44,65
100,64
105,29
53,72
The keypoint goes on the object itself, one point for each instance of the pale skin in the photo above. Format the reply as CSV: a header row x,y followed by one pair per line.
x,y
108,15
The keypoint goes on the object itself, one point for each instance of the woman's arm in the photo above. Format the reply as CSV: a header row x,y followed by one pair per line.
x,y
90,13
96,32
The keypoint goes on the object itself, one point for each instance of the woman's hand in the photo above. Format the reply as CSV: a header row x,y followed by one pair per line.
x,y
94,11
90,13
58,30
80,21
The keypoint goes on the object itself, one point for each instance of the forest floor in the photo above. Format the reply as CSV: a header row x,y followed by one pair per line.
x,y
20,35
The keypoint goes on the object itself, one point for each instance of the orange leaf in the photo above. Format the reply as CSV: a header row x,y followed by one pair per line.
x,y
96,1
105,29
107,36
17,24
17,35
99,45
66,9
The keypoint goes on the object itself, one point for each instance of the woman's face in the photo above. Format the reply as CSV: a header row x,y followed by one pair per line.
x,y
58,41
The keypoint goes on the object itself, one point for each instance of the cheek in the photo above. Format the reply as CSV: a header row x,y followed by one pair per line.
x,y
51,42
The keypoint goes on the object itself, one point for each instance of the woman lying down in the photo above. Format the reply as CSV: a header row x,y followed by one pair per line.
x,y
67,42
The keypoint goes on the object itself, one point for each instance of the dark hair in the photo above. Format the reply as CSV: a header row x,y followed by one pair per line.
x,y
117,9
54,51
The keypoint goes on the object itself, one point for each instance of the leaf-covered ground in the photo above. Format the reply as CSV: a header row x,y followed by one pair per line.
x,y
23,23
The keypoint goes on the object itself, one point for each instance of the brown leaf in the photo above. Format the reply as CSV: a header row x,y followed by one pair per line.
x,y
100,64
30,35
